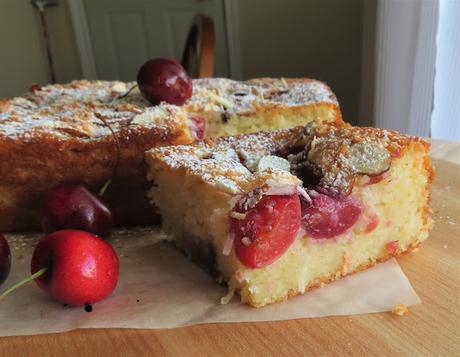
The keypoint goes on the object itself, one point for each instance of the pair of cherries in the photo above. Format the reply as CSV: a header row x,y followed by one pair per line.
x,y
72,206
268,229
74,264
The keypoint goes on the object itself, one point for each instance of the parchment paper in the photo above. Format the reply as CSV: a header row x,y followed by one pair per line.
x,y
160,288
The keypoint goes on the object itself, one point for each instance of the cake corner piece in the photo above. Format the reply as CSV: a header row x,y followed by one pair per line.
x,y
276,214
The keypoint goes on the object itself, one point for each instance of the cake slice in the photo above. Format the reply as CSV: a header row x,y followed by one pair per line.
x,y
80,131
276,214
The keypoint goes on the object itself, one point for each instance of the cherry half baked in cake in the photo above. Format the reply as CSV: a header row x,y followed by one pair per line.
x,y
290,210
266,231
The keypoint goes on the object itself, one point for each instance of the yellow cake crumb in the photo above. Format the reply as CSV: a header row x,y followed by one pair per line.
x,y
400,309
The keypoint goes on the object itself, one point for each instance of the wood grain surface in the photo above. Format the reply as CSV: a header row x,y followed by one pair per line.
x,y
429,329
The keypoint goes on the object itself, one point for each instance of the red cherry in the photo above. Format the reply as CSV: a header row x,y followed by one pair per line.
x,y
198,127
81,268
267,231
377,178
5,259
164,80
72,206
372,223
328,217
392,247
395,153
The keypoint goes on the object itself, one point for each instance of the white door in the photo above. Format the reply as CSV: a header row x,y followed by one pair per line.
x,y
125,33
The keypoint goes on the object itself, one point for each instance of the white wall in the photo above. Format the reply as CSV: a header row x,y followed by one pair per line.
x,y
445,121
399,66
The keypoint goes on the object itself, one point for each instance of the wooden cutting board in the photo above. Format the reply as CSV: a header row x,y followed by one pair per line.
x,y
432,328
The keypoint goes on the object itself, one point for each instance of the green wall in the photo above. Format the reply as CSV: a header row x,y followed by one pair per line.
x,y
22,57
305,38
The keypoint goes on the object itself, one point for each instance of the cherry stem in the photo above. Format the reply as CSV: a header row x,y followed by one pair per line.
x,y
24,281
117,143
129,91
104,188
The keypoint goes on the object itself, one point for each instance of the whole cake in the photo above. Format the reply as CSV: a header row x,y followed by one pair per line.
x,y
81,131
274,214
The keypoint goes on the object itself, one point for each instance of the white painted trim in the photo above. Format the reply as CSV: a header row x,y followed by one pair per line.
x,y
404,65
445,120
424,70
232,32
85,49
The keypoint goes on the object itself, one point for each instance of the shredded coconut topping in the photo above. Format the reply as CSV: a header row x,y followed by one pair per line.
x,y
238,215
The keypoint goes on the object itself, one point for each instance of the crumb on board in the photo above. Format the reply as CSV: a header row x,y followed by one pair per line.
x,y
400,309
226,299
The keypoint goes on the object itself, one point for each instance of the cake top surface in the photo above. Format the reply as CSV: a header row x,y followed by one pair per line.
x,y
226,95
325,155
85,109
82,109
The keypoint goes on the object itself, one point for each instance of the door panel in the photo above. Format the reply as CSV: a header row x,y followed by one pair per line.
x,y
127,41
124,34
175,18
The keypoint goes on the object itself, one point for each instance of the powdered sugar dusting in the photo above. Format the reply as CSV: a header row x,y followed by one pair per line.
x,y
230,163
73,110
225,95
226,163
